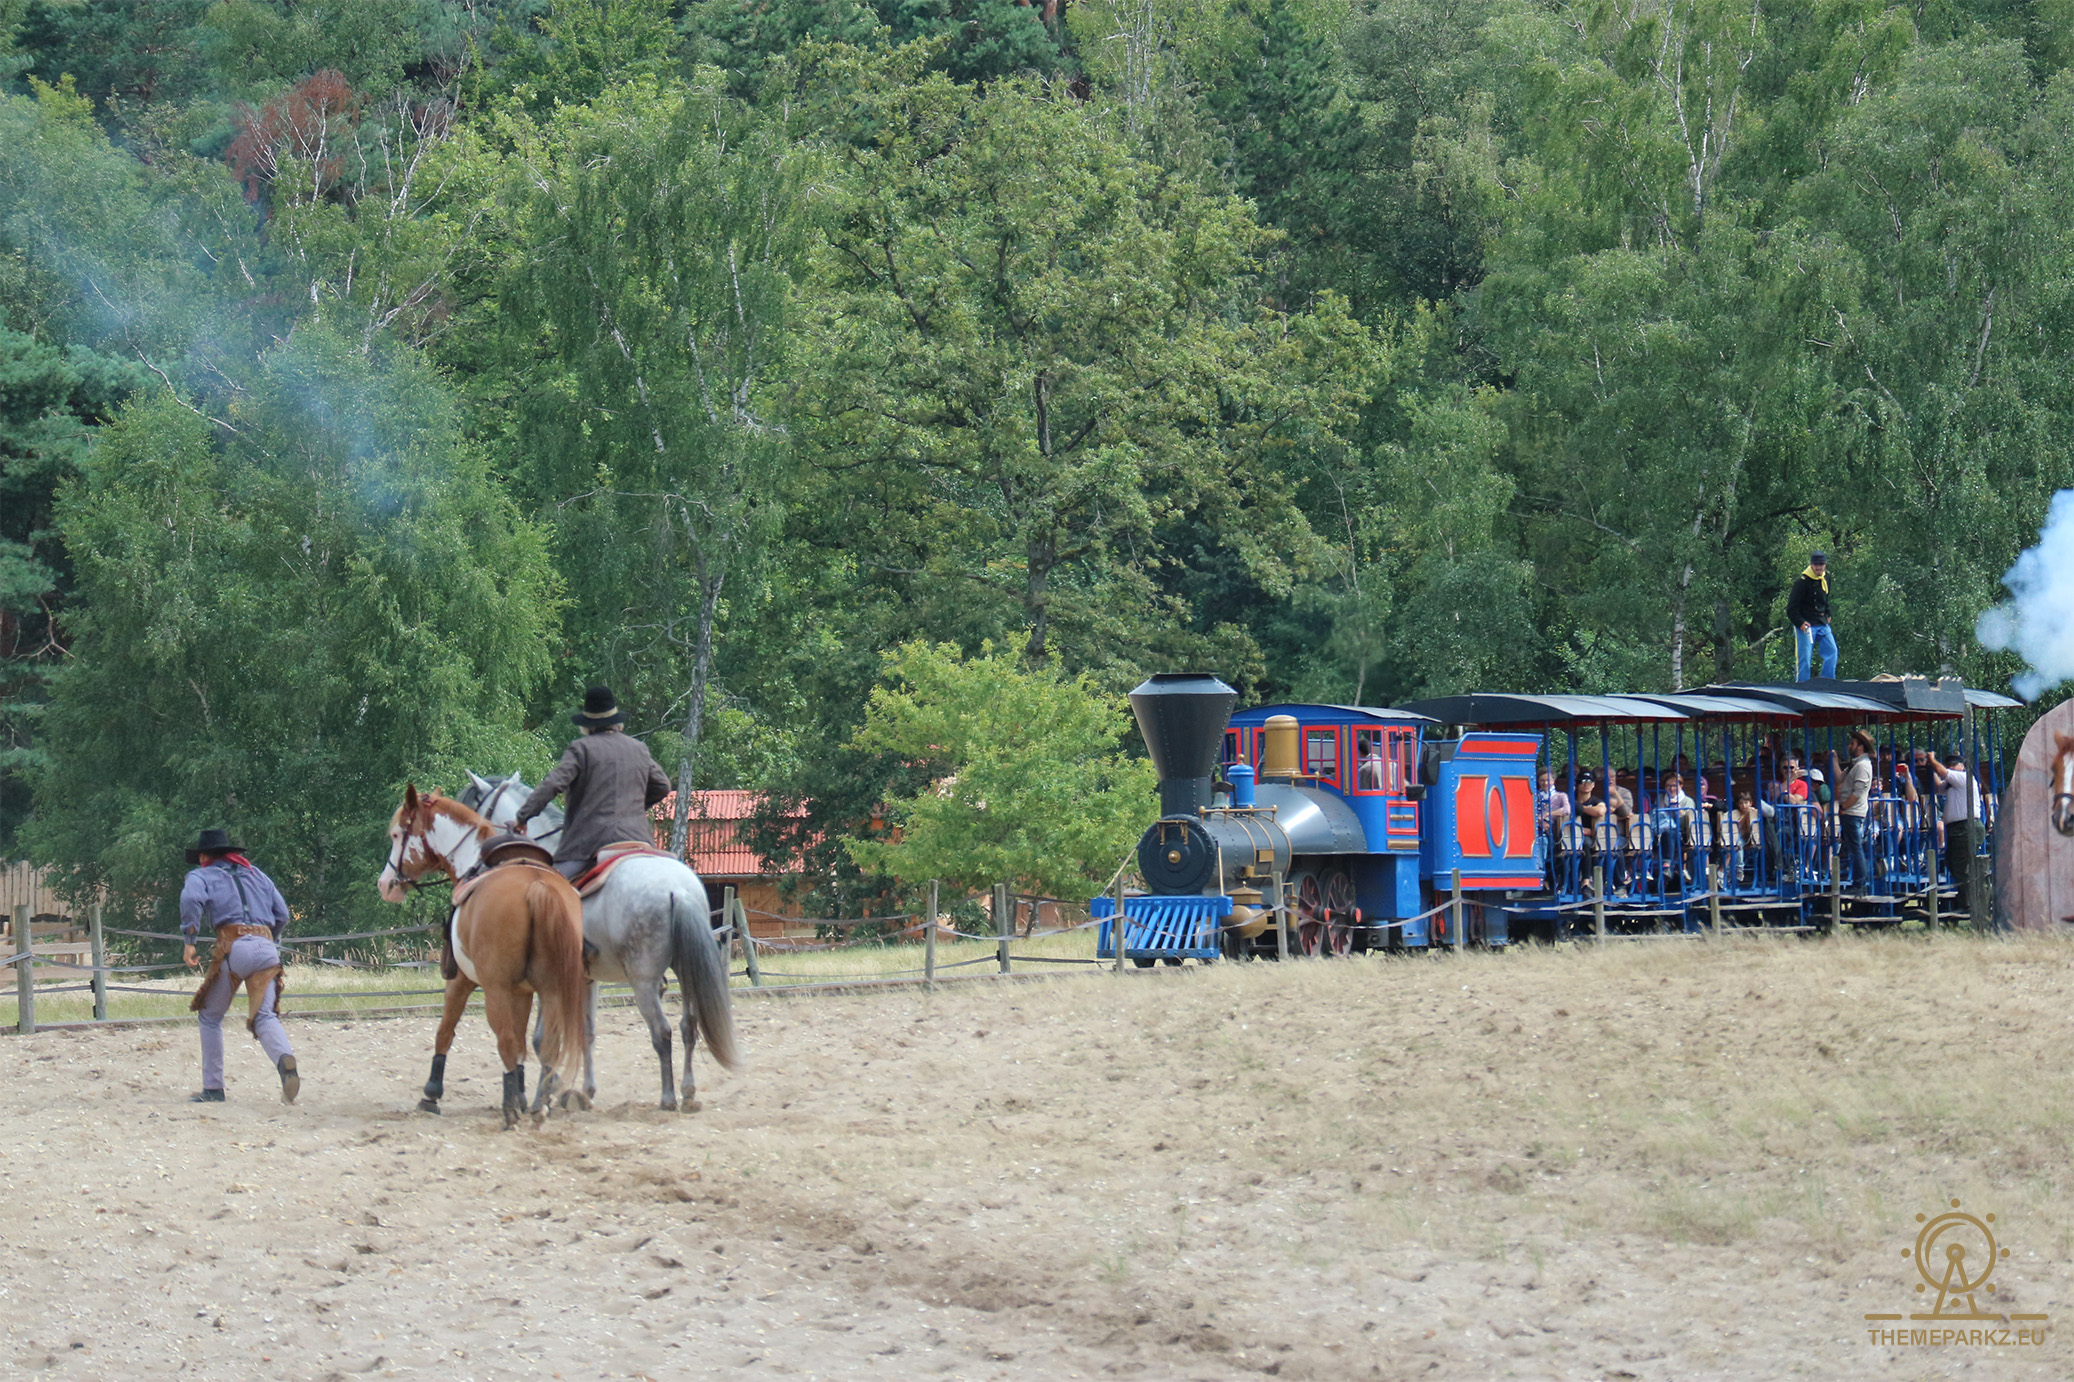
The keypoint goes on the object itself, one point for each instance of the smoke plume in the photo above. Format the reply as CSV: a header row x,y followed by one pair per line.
x,y
2038,624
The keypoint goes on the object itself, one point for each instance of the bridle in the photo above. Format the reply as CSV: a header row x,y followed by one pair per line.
x,y
396,851
487,809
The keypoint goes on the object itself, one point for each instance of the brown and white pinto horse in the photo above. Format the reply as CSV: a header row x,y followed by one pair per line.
x,y
518,931
2062,783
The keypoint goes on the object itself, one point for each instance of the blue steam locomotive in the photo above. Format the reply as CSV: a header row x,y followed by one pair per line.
x,y
1325,828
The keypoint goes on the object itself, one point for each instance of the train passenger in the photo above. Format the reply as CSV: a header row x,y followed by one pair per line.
x,y
1962,814
1672,819
1607,814
1552,814
1853,800
1745,838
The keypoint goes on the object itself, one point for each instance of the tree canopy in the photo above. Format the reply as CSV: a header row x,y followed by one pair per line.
x,y
374,376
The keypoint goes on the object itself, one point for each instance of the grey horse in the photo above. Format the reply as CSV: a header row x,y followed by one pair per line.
x,y
650,916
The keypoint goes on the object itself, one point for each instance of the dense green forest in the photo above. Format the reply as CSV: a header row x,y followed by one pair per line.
x,y
374,374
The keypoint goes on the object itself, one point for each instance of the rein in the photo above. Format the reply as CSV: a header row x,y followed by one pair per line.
x,y
396,860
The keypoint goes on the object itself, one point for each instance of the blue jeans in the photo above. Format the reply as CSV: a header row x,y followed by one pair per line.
x,y
1814,638
1857,851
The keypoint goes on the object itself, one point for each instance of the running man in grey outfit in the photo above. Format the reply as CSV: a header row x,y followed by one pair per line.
x,y
246,911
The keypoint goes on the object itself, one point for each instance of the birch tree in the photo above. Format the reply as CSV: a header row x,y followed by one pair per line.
x,y
665,228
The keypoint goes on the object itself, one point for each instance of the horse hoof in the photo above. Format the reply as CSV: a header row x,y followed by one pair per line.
x,y
668,1106
539,1119
428,1105
691,1106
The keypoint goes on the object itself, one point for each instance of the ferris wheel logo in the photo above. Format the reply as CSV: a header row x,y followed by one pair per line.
x,y
1955,1254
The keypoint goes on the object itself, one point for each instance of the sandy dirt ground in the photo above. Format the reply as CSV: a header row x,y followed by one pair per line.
x,y
1657,1161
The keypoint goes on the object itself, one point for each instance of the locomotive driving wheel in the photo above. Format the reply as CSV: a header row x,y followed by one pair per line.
x,y
1341,915
1310,914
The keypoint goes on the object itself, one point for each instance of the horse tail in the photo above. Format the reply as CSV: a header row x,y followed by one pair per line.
x,y
563,984
702,970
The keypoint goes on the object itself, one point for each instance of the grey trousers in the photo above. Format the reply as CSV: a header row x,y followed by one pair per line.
x,y
571,868
248,955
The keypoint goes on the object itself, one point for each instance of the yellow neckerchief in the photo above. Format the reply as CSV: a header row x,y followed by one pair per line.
x,y
1823,577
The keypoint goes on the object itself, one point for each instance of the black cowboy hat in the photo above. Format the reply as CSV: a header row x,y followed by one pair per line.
x,y
213,841
599,709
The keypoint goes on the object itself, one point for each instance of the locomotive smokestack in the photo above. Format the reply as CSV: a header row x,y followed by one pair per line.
x,y
1182,716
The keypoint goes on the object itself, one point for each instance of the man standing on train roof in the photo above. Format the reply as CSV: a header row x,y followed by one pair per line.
x,y
246,911
611,781
1807,609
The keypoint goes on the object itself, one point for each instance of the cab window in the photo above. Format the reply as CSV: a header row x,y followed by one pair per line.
x,y
1321,754
1402,760
1372,768
1231,747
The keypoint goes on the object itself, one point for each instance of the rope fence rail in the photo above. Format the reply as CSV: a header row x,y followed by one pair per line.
x,y
1044,947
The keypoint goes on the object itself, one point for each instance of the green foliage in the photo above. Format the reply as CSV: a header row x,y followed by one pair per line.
x,y
1034,351
582,48
50,401
1017,775
281,617
666,232
1355,351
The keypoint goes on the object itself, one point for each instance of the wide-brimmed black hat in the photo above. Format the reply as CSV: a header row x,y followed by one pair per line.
x,y
599,709
213,841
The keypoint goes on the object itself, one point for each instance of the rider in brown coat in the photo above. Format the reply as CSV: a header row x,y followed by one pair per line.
x,y
611,781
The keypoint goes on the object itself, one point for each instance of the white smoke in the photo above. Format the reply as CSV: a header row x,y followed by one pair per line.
x,y
2038,624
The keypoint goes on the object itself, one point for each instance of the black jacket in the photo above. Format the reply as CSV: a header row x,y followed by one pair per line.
x,y
1809,602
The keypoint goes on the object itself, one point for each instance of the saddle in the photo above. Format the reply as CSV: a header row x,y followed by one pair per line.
x,y
611,857
255,983
502,850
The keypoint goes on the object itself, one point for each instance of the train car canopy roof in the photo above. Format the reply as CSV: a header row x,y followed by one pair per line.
x,y
1711,705
1308,710
1826,707
1489,709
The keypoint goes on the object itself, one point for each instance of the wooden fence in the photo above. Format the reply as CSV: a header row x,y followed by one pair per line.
x,y
23,885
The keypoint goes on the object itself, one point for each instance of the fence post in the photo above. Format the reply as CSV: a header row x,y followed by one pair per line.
x,y
1454,921
738,917
1281,919
24,974
1714,900
1836,890
93,925
929,939
1116,923
1599,903
748,943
